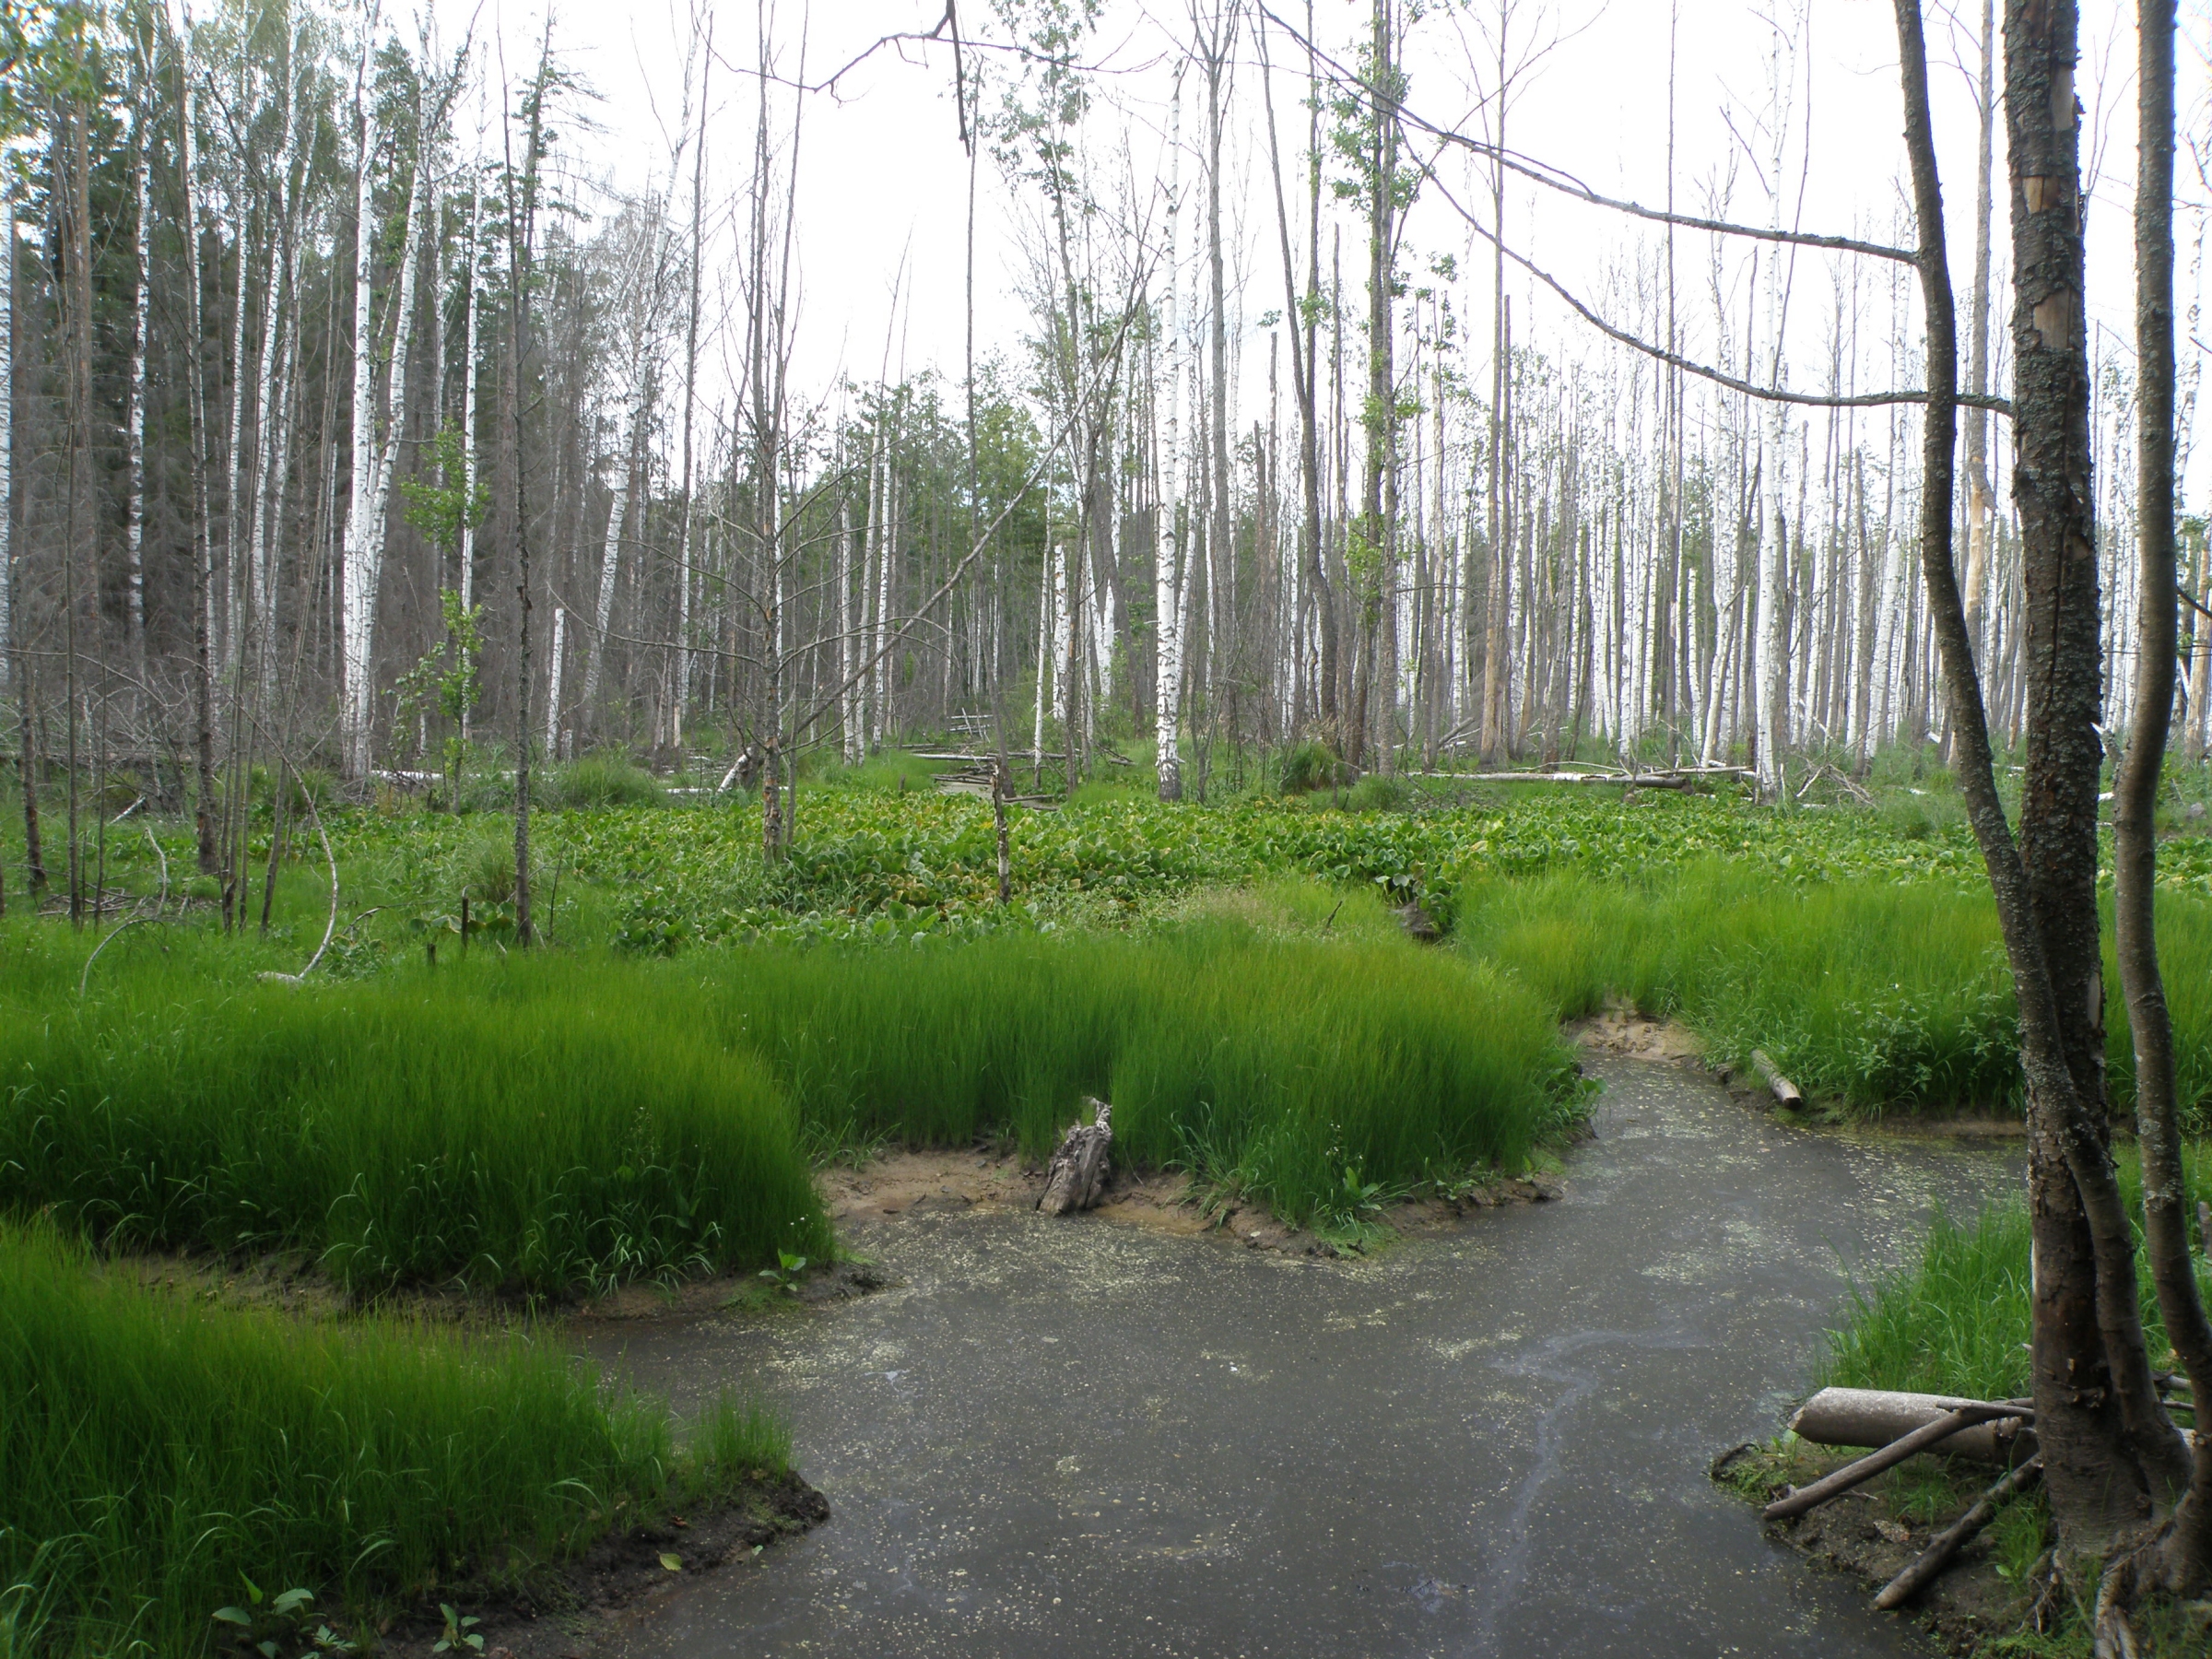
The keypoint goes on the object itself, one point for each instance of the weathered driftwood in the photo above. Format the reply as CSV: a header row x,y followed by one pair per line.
x,y
1079,1169
1771,1075
1932,1560
1928,1436
1878,1417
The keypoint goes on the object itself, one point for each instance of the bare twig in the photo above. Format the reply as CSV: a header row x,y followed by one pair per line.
x,y
85,978
1866,1468
1948,1543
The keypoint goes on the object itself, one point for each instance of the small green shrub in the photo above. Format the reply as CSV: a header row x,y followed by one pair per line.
x,y
602,781
1376,793
1307,765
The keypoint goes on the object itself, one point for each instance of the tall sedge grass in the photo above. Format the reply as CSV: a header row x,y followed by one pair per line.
x,y
154,1453
535,1123
1876,995
523,1130
1283,1062
1955,1319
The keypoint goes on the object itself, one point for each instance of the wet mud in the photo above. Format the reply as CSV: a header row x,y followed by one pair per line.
x,y
1107,1439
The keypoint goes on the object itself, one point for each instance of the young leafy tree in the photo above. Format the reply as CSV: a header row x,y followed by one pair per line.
x,y
446,503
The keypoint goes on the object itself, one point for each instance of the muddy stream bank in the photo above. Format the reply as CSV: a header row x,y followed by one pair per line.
x,y
1104,1440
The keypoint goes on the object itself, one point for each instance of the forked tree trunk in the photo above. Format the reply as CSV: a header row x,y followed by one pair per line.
x,y
2112,1456
2188,1561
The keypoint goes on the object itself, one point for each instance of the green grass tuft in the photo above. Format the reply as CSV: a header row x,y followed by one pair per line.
x,y
1288,1061
602,781
156,1456
1955,1319
519,1125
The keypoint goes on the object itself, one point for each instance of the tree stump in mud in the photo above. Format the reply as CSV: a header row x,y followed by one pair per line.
x,y
1418,924
1079,1170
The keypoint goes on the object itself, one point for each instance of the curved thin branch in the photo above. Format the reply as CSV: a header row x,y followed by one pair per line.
x,y
1553,178
85,978
329,927
1863,400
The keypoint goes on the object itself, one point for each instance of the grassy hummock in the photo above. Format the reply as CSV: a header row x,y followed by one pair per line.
x,y
1279,1065
1875,996
158,1456
527,1130
1955,1319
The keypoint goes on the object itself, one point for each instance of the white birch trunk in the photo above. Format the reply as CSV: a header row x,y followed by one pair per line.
x,y
1772,648
365,529
235,462
553,664
1063,618
134,418
1168,581
357,591
887,553
468,402
610,552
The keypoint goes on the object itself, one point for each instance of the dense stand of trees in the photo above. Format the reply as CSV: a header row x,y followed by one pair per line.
x,y
281,437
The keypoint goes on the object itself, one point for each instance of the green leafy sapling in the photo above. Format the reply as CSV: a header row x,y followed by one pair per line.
x,y
442,501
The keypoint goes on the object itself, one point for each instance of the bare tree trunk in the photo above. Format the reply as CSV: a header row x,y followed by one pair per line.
x,y
203,572
2135,787
1169,576
1981,504
2106,1445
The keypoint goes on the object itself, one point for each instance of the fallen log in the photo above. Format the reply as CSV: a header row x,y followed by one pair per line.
x,y
1932,1560
1878,1417
1783,1089
1079,1170
1929,1435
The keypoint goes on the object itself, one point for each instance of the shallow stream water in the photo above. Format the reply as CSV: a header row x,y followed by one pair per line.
x,y
1081,1438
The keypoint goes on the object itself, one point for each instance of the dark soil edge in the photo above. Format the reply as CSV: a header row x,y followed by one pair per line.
x,y
571,1611
1860,1535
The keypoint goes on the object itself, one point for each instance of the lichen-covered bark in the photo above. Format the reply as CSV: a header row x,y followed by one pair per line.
x,y
2112,1457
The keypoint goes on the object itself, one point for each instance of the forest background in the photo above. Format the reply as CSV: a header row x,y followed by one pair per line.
x,y
1070,371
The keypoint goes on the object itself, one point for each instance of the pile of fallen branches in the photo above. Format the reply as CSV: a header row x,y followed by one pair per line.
x,y
1902,1425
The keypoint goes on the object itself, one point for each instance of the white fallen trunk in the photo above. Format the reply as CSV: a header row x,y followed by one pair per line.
x,y
1875,1417
1782,1088
1079,1170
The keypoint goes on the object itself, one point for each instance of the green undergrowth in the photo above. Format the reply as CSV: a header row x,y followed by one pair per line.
x,y
422,1128
158,1456
1872,996
1955,1319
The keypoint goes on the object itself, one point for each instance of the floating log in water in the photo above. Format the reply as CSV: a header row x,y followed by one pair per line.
x,y
1880,1417
1079,1169
1783,1089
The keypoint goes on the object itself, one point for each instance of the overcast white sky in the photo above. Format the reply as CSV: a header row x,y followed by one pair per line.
x,y
884,181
